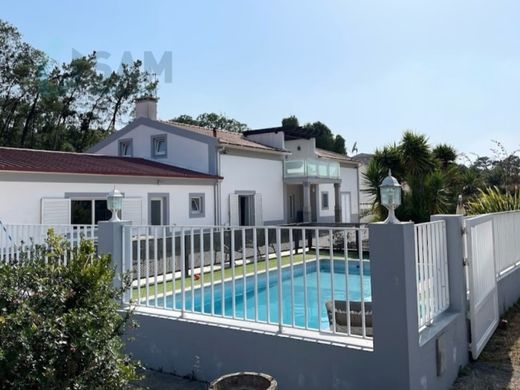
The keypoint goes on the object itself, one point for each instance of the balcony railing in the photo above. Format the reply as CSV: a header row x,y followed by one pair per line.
x,y
320,169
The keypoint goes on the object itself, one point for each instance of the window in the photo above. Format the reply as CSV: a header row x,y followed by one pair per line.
x,y
156,211
292,207
126,148
324,200
197,209
159,147
89,211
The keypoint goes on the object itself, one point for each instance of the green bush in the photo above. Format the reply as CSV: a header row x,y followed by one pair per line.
x,y
60,325
493,200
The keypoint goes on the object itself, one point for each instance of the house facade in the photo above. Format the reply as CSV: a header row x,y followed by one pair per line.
x,y
173,173
270,176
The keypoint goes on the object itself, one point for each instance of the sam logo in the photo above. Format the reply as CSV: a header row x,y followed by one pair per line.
x,y
162,67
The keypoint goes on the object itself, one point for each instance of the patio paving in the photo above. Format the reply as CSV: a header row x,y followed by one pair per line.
x,y
158,380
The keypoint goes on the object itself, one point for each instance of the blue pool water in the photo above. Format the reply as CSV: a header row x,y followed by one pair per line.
x,y
304,280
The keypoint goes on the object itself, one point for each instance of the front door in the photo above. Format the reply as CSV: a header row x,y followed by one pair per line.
x,y
345,207
156,211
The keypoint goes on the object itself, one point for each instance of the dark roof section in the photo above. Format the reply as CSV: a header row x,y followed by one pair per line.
x,y
322,153
289,134
28,160
226,137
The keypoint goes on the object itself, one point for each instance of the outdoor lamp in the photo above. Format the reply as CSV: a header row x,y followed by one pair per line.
x,y
390,196
115,204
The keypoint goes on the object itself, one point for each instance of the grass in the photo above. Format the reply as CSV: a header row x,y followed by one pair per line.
x,y
228,272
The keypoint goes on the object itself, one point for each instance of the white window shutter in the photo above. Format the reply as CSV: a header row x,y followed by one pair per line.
x,y
233,210
132,210
259,214
55,211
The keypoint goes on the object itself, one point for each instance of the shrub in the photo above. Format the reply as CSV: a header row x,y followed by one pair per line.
x,y
493,200
60,325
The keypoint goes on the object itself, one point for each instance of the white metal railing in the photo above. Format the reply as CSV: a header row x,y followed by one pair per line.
x,y
431,261
297,277
311,168
19,241
506,237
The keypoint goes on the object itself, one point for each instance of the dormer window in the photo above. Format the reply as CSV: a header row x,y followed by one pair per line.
x,y
159,146
126,148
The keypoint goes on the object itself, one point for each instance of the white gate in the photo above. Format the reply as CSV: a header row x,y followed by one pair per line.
x,y
483,297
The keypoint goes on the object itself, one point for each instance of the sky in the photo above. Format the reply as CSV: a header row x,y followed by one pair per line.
x,y
369,69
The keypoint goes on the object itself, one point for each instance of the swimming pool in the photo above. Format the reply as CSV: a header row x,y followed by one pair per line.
x,y
299,299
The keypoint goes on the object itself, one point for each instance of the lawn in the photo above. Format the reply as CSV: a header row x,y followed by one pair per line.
x,y
228,272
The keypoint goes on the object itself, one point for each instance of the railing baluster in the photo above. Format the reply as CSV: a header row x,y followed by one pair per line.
x,y
155,265
139,265
212,270
291,260
164,280
361,284
222,269
318,277
202,266
304,260
279,266
233,295
183,272
244,281
268,299
174,267
347,297
192,269
331,262
255,266
147,268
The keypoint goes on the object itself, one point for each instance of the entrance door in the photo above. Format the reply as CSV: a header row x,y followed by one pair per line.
x,y
156,211
483,296
246,207
346,210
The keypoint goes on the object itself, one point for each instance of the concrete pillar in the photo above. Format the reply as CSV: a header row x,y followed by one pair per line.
x,y
394,302
110,242
337,203
306,202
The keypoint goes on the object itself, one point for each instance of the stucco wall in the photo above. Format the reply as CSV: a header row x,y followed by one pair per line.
x,y
261,175
276,140
307,148
182,151
349,183
22,194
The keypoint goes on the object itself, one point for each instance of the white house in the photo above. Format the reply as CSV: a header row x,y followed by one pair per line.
x,y
188,175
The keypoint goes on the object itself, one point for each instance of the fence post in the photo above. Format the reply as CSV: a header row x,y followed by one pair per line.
x,y
110,242
394,302
456,272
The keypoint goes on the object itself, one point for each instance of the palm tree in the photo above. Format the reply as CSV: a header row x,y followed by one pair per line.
x,y
413,163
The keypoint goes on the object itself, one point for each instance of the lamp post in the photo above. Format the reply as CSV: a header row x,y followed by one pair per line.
x,y
115,204
390,196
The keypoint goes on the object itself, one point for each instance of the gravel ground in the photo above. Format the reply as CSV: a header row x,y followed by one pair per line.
x,y
498,367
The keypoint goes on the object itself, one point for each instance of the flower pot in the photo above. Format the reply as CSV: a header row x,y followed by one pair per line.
x,y
244,381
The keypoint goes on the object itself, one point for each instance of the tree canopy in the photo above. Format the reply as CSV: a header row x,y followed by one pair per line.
x,y
67,106
212,120
325,140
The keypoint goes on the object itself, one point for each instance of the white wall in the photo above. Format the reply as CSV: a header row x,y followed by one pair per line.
x,y
182,151
349,183
262,175
275,140
307,148
21,200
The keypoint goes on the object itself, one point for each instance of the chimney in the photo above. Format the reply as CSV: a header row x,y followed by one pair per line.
x,y
146,107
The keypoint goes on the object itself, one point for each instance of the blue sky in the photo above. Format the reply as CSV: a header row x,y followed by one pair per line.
x,y
368,69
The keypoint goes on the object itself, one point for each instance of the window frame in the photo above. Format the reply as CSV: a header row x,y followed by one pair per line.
x,y
129,142
202,212
154,139
325,205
